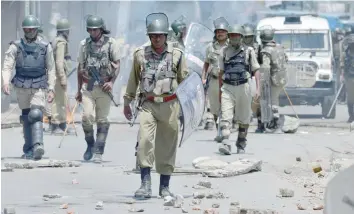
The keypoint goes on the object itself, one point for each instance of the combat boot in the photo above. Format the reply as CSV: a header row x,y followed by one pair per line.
x,y
351,112
145,189
164,189
260,127
27,135
90,140
225,149
102,132
241,138
209,125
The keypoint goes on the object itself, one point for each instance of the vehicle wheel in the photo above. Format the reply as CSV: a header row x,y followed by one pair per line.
x,y
326,106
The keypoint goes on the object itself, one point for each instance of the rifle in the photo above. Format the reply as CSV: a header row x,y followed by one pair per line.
x,y
96,77
138,103
206,86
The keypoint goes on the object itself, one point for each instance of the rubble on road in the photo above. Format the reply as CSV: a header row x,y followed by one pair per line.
x,y
289,124
30,164
216,168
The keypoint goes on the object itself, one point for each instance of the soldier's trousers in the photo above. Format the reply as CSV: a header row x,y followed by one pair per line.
x,y
158,136
235,99
47,110
349,86
213,95
59,105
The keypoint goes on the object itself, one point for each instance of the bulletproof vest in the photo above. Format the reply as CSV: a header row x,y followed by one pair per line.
x,y
98,60
67,57
30,64
236,69
157,74
349,63
278,72
213,57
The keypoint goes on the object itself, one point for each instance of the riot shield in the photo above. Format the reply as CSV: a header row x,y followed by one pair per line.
x,y
265,96
190,94
339,195
156,16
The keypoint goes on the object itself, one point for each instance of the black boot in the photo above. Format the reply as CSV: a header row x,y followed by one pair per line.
x,y
90,140
260,126
164,189
35,117
241,138
145,189
102,132
27,134
351,112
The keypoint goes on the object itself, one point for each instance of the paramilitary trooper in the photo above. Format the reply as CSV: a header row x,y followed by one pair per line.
x,y
63,66
211,70
273,78
98,58
158,69
237,65
347,76
179,27
33,61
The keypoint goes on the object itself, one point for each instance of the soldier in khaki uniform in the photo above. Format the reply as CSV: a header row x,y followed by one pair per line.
x,y
347,76
211,70
158,69
98,54
179,27
237,64
63,66
273,70
33,61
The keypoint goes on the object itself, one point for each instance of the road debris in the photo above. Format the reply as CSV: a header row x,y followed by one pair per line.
x,y
300,207
215,205
64,206
99,205
136,210
52,196
287,171
196,201
184,210
169,201
206,184
318,207
210,211
284,192
298,159
9,210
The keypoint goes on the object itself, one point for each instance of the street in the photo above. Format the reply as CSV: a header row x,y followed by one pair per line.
x,y
81,188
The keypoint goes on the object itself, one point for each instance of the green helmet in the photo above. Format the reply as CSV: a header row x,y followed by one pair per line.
x,y
221,24
31,22
177,26
236,29
267,35
63,25
94,22
157,23
249,31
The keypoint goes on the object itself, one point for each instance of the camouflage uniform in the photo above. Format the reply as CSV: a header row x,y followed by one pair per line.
x,y
35,73
100,55
347,64
273,74
237,65
158,118
63,66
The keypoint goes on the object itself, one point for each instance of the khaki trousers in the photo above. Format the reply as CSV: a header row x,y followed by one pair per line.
x,y
213,96
95,103
158,136
275,92
349,86
235,100
59,105
47,107
28,97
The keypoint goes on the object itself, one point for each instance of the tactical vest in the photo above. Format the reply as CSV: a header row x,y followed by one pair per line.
x,y
30,64
349,63
99,62
278,72
157,75
67,57
235,69
214,59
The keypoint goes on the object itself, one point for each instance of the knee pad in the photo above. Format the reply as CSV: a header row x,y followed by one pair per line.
x,y
35,115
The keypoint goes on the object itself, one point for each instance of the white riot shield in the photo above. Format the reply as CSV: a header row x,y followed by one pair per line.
x,y
339,195
190,94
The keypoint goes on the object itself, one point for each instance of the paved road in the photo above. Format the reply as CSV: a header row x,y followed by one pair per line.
x,y
23,189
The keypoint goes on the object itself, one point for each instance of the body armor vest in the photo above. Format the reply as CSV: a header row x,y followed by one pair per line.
x,y
349,63
31,64
278,72
98,62
157,74
236,69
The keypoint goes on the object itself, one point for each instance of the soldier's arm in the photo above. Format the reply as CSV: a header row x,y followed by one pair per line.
x,y
182,69
341,63
9,64
50,68
115,55
59,62
80,66
133,81
254,65
206,63
265,67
